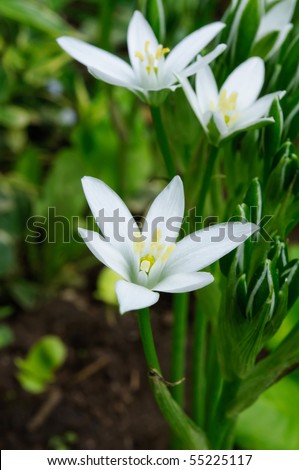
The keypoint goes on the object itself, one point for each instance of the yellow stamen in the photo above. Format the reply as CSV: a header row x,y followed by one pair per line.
x,y
167,253
226,105
165,50
147,44
139,55
148,69
157,235
138,246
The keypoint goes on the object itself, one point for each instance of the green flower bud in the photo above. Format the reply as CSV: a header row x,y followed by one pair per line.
x,y
272,134
253,199
278,254
262,287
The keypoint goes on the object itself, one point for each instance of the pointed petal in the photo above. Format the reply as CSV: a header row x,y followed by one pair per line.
x,y
184,282
189,47
105,252
111,214
97,59
166,212
276,18
139,32
133,297
105,77
206,90
204,247
258,110
202,61
191,97
246,80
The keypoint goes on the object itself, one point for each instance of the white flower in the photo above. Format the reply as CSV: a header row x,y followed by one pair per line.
x,y
276,20
151,261
235,107
152,65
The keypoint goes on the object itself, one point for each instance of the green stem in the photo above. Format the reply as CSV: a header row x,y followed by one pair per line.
x,y
148,340
206,180
222,425
199,365
163,141
179,333
186,431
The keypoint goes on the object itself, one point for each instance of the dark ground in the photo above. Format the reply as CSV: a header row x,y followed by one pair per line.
x,y
101,393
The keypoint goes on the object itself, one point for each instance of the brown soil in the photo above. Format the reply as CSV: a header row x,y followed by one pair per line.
x,y
101,393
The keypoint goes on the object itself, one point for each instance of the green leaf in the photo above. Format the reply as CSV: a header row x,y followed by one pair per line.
x,y
181,425
35,14
289,67
36,371
247,29
264,45
279,427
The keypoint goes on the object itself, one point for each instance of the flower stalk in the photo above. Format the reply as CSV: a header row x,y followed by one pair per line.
x,y
163,141
181,425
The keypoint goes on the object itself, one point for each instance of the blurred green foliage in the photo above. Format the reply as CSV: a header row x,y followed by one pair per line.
x,y
37,370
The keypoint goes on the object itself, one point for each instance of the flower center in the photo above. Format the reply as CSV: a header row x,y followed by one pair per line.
x,y
227,106
149,254
152,60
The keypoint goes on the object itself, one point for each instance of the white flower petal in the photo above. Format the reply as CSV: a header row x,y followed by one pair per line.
x,y
166,212
203,61
247,81
204,247
276,18
254,124
105,77
97,59
206,89
220,123
258,110
133,297
111,214
189,47
105,252
191,97
184,282
139,32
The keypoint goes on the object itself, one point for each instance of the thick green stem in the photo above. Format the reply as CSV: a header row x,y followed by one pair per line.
x,y
199,365
206,180
163,141
181,425
221,425
178,352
